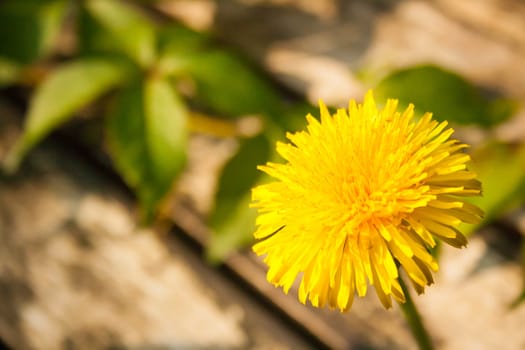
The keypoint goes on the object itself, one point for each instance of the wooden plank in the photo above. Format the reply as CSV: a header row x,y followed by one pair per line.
x,y
76,272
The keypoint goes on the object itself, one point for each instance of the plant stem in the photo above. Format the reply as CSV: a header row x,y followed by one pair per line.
x,y
414,320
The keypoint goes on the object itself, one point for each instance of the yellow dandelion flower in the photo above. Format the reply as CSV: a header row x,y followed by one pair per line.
x,y
362,191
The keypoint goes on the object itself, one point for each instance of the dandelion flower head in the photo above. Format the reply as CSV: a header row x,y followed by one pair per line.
x,y
362,192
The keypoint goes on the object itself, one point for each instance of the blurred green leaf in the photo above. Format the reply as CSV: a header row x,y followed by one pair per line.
x,y
28,28
177,45
9,71
65,90
294,117
222,81
501,170
112,25
147,140
178,39
447,95
233,221
226,84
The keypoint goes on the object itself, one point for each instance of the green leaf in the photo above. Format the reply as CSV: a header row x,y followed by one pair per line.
x,y
147,140
447,95
177,46
228,85
294,117
222,81
178,39
28,28
66,90
233,221
501,170
112,25
9,72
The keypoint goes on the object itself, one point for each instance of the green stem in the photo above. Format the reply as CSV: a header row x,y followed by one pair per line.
x,y
414,320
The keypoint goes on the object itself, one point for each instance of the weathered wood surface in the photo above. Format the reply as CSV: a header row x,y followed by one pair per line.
x,y
76,273
483,40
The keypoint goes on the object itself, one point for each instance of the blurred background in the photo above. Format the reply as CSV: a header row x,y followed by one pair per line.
x,y
130,132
